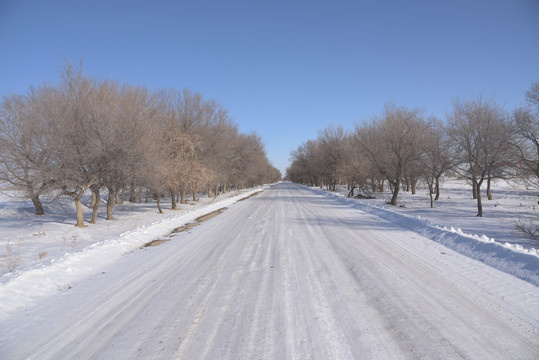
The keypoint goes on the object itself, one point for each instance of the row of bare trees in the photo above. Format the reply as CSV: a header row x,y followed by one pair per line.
x,y
84,135
400,147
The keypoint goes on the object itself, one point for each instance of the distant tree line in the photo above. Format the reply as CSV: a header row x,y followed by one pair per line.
x,y
84,135
400,147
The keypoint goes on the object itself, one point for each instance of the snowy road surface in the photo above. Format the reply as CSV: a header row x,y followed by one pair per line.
x,y
287,274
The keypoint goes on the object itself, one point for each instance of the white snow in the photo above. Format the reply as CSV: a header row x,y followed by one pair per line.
x,y
75,253
291,273
491,239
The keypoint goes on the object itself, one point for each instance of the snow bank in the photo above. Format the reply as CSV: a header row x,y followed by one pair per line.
x,y
513,259
24,287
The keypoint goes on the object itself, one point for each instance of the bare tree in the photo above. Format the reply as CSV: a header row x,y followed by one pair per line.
x,y
89,135
332,154
304,164
436,156
525,143
357,169
71,137
481,135
126,123
412,173
392,143
24,154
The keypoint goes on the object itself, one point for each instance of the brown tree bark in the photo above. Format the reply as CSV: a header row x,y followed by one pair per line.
x,y
110,203
489,194
182,196
37,205
80,215
437,188
77,197
396,187
92,203
158,198
96,199
132,192
173,200
478,196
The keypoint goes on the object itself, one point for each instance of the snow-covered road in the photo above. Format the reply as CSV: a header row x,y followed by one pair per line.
x,y
287,274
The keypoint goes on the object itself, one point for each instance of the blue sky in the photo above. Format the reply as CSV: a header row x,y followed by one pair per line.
x,y
285,69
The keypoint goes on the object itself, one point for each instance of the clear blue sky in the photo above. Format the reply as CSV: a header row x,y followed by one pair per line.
x,y
285,69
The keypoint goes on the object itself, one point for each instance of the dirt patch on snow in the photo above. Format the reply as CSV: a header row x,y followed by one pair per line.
x,y
253,194
183,228
210,215
155,243
187,227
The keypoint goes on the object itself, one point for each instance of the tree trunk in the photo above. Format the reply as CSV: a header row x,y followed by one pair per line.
x,y
96,199
194,195
437,187
182,196
132,193
479,204
37,205
429,182
117,197
173,200
413,185
159,204
396,187
474,190
489,194
110,203
78,207
77,197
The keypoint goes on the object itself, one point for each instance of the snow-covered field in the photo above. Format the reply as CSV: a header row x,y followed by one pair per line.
x,y
291,273
456,209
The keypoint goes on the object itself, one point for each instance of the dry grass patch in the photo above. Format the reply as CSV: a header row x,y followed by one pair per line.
x,y
253,194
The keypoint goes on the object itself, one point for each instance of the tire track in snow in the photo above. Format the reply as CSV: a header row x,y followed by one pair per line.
x,y
343,285
416,290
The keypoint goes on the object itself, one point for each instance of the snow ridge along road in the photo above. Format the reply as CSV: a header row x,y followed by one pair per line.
x,y
287,274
